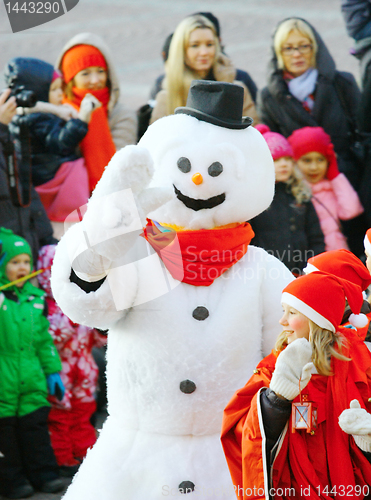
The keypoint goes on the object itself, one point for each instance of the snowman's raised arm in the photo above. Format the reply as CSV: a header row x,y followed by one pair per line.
x,y
277,277
116,212
91,249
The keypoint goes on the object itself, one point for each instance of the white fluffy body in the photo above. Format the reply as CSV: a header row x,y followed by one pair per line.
x,y
157,437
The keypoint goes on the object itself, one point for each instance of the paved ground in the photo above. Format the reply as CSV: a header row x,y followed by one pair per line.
x,y
135,31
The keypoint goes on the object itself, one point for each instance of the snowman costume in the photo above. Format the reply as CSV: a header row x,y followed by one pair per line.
x,y
177,348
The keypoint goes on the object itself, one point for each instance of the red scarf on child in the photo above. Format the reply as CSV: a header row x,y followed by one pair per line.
x,y
97,146
199,257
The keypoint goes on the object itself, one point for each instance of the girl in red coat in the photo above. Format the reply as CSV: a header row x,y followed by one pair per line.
x,y
71,431
329,365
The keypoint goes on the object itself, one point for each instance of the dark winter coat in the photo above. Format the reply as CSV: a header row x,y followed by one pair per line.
x,y
289,231
53,141
29,222
357,17
283,113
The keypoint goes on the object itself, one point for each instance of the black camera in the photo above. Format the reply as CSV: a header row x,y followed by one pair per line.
x,y
23,98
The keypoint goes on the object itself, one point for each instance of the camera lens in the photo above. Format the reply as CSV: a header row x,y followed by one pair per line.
x,y
26,99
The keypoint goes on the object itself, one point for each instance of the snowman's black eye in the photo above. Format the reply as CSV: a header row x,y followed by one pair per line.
x,y
215,169
184,165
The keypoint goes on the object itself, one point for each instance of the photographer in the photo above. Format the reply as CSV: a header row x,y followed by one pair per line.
x,y
30,222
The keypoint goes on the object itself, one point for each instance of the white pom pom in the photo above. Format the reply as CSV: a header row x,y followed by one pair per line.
x,y
358,320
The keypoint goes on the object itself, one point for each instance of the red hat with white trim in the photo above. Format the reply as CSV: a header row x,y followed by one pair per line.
x,y
321,298
342,263
367,241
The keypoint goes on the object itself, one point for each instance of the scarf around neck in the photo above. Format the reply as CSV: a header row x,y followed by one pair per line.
x,y
97,146
302,87
198,257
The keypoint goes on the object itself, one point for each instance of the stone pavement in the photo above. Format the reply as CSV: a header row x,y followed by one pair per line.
x,y
135,31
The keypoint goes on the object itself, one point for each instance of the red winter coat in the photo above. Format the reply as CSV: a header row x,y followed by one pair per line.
x,y
304,465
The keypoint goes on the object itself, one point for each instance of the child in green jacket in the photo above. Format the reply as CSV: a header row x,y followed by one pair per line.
x,y
29,366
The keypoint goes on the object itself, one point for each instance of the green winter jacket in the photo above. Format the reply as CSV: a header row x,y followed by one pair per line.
x,y
27,352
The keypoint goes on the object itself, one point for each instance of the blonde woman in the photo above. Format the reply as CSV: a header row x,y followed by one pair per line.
x,y
304,88
270,454
289,229
195,54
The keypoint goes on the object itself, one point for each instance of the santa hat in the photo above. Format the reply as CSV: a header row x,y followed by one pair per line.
x,y
341,263
321,298
367,241
81,57
277,144
308,139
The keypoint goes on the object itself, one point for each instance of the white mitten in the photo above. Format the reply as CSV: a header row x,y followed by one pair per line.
x,y
116,212
293,364
88,105
357,422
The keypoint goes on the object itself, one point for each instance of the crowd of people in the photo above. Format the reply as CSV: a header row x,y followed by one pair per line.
x,y
53,151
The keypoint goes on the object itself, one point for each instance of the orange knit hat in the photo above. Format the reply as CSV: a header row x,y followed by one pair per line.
x,y
80,57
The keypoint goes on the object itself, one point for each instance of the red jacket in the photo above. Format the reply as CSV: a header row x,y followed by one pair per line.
x,y
305,465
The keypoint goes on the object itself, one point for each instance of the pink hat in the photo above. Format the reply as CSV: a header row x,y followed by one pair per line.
x,y
343,264
56,74
308,139
278,145
321,298
367,241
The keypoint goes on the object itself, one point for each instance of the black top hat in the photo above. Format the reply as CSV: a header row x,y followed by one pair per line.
x,y
218,103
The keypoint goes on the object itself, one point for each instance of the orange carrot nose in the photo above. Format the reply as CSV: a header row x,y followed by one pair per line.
x,y
197,178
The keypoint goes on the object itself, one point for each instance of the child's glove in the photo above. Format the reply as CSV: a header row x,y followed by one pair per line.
x,y
332,170
357,422
88,105
292,365
55,385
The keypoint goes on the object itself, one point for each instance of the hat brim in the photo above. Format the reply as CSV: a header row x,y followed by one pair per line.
x,y
246,121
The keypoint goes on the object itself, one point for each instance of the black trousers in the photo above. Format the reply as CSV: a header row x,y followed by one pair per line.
x,y
25,451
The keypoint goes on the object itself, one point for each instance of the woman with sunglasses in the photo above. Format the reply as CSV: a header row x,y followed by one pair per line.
x,y
305,89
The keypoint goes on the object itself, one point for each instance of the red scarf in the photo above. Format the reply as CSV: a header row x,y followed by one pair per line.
x,y
199,257
97,146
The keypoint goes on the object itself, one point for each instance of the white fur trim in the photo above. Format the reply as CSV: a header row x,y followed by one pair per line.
x,y
308,311
310,268
358,320
363,442
367,244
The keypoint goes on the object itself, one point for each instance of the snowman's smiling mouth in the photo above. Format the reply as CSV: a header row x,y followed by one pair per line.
x,y
196,205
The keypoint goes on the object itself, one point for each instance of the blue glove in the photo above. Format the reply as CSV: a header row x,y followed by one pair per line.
x,y
55,385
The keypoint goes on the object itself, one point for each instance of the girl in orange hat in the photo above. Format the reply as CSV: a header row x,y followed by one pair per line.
x,y
87,68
